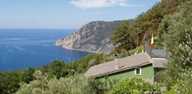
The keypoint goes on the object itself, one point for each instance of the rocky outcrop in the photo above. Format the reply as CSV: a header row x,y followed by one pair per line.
x,y
92,37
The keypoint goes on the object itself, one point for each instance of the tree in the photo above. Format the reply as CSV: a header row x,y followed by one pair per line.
x,y
178,41
9,83
57,68
124,38
178,35
130,34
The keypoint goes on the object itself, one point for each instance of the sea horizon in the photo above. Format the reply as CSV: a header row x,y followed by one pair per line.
x,y
31,48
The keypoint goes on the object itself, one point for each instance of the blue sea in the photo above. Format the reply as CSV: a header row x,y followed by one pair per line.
x,y
24,48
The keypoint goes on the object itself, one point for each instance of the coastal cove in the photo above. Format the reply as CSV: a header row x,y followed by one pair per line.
x,y
31,48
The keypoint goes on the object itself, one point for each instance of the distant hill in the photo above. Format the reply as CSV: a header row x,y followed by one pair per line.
x,y
92,37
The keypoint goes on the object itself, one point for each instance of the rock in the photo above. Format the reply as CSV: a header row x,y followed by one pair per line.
x,y
93,37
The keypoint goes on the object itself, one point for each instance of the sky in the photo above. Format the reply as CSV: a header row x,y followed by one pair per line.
x,y
67,14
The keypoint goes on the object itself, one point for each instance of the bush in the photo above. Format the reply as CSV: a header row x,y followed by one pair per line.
x,y
10,81
131,86
182,85
71,85
104,85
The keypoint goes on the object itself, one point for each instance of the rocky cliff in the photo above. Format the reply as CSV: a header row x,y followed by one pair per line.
x,y
92,37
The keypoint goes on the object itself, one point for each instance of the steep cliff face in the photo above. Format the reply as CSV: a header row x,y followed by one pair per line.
x,y
92,37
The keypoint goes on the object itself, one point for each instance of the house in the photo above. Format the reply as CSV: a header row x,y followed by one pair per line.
x,y
145,65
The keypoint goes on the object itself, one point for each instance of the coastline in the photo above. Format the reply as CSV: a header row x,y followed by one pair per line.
x,y
81,50
69,48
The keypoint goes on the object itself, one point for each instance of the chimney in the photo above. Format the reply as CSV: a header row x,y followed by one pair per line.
x,y
147,47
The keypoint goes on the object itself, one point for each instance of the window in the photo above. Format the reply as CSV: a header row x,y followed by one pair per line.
x,y
138,71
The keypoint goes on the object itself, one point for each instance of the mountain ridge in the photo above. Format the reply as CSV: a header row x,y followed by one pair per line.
x,y
94,37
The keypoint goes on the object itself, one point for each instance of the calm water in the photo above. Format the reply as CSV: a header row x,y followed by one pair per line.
x,y
20,49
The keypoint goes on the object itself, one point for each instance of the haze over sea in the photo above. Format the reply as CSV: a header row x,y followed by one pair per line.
x,y
24,48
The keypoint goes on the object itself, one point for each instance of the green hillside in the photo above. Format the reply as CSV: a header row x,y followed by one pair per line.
x,y
130,34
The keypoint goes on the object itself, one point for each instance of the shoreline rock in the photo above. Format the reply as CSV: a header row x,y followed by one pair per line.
x,y
73,49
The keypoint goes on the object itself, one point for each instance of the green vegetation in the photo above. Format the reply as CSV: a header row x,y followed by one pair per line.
x,y
178,40
132,86
60,69
124,38
10,81
71,85
169,21
132,33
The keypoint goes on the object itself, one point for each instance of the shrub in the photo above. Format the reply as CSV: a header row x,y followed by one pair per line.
x,y
104,85
71,85
131,86
182,85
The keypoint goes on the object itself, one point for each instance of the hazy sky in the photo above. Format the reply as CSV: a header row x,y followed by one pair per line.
x,y
67,13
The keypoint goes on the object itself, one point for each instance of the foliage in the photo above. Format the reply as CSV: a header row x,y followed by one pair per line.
x,y
104,85
26,75
56,68
178,41
131,86
71,85
182,85
10,81
178,37
61,69
77,84
124,39
130,34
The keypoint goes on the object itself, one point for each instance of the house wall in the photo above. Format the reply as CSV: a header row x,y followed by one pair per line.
x,y
147,74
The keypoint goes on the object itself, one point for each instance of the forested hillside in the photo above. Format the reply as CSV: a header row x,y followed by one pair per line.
x,y
132,33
